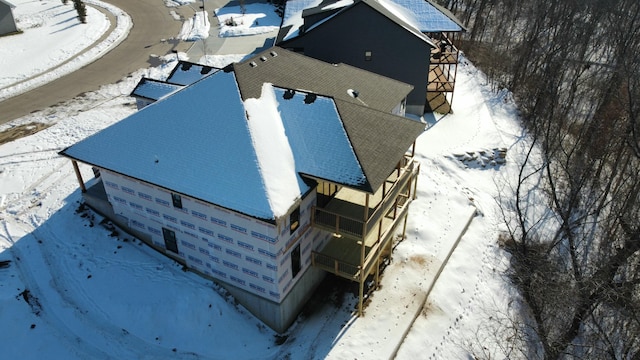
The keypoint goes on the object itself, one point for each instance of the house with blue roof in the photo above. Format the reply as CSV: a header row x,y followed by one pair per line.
x,y
407,40
263,180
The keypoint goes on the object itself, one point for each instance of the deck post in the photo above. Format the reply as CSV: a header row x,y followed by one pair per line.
x,y
404,226
378,271
78,175
361,295
366,207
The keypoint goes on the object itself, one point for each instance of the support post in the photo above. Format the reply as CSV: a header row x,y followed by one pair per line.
x,y
78,176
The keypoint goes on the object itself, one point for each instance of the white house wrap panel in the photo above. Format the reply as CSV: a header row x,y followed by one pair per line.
x,y
234,248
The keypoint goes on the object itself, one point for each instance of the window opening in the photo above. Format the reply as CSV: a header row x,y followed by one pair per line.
x,y
294,220
295,261
170,242
177,201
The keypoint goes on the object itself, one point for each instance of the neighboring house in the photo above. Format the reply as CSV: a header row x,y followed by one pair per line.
x,y
7,21
186,73
442,26
259,185
394,39
148,91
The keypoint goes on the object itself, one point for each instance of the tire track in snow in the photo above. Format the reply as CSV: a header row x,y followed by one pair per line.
x,y
47,315
86,330
116,341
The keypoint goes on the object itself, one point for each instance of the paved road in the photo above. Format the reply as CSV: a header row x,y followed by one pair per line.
x,y
151,23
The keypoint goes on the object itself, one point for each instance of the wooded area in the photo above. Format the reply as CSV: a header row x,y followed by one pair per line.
x,y
574,70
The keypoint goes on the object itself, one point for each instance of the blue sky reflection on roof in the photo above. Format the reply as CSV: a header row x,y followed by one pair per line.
x,y
198,142
154,89
194,142
318,139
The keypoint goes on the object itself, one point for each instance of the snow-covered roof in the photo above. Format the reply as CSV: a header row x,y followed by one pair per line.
x,y
187,143
154,89
417,16
379,139
251,155
431,16
185,72
292,16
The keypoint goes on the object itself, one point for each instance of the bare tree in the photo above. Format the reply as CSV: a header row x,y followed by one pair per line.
x,y
574,69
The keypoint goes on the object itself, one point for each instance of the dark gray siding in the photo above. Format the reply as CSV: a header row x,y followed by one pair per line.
x,y
396,52
7,22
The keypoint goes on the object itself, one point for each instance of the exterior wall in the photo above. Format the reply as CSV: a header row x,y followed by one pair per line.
x,y
251,255
395,52
303,237
214,241
7,22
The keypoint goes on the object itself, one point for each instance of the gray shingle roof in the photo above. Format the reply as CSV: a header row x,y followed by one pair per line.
x,y
378,137
290,70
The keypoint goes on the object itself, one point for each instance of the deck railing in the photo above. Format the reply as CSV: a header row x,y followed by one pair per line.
x,y
335,266
342,224
394,206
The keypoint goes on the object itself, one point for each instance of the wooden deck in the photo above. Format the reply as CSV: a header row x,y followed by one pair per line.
x,y
440,79
362,234
443,69
438,102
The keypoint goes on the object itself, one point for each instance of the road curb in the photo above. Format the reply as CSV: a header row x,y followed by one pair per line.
x,y
112,37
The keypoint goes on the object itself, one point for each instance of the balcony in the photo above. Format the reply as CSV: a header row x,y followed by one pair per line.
x,y
363,225
443,66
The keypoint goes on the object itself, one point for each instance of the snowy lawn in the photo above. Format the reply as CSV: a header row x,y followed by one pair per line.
x,y
51,39
257,18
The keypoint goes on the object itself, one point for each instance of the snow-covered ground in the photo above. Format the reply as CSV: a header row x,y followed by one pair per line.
x,y
54,43
76,290
251,19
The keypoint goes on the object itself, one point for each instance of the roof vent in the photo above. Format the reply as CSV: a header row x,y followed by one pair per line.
x,y
186,66
310,98
263,59
288,94
353,93
253,64
273,53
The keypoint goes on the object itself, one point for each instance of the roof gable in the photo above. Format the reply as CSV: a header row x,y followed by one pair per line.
x,y
186,73
379,139
154,89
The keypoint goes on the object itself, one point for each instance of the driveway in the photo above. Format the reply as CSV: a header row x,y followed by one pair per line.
x,y
151,24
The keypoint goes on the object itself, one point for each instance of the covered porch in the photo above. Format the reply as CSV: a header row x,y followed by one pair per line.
x,y
363,225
